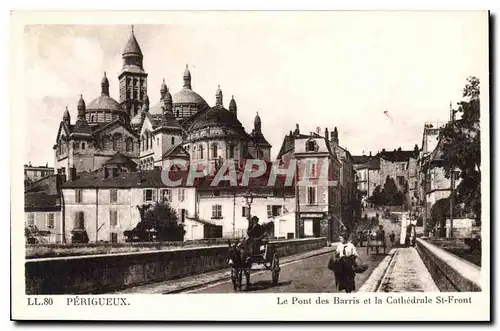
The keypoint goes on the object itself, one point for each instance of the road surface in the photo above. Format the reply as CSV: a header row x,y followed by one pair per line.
x,y
304,276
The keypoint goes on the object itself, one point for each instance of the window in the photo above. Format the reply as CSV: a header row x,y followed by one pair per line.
x,y
113,196
166,195
31,219
113,237
311,146
113,218
83,145
245,211
129,145
403,166
401,180
173,140
49,222
79,220
200,149
311,195
214,151
231,151
273,211
181,194
312,165
217,211
148,195
78,196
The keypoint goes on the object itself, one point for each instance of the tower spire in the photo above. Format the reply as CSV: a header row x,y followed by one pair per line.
x,y
105,85
187,78
81,108
232,106
218,97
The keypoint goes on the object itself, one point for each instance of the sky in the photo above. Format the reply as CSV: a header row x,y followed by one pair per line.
x,y
315,69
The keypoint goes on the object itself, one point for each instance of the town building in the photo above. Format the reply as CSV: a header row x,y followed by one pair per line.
x,y
115,154
35,173
42,210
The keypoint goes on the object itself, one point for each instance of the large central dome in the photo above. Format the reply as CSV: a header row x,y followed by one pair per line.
x,y
188,96
105,103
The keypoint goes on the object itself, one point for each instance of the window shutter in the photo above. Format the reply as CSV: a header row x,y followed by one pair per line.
x,y
153,195
214,211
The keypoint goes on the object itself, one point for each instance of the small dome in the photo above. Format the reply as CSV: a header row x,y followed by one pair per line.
x,y
232,104
81,103
104,102
66,116
187,96
217,117
257,120
163,87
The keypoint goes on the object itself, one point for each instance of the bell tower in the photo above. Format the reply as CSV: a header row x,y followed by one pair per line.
x,y
132,78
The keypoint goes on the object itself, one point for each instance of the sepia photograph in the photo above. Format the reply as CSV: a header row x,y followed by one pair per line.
x,y
280,158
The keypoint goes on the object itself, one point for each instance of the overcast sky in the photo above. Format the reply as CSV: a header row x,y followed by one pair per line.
x,y
320,69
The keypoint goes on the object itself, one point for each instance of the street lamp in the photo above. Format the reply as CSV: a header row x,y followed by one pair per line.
x,y
248,200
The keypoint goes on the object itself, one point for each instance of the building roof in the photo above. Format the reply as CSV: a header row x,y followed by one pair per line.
x,y
188,96
40,201
132,47
104,103
258,139
120,159
398,155
218,116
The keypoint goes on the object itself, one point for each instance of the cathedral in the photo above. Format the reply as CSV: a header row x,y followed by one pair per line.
x,y
135,135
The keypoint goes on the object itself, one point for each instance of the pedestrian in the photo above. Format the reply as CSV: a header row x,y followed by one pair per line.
x,y
392,237
344,272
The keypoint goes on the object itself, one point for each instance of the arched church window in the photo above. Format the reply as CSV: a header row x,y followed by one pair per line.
x,y
214,151
177,113
129,145
117,142
201,151
231,151
173,140
83,145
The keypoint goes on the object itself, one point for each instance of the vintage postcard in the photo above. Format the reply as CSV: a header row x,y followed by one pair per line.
x,y
260,165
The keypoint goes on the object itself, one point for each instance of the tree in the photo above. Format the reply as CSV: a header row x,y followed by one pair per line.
x,y
440,211
461,147
159,220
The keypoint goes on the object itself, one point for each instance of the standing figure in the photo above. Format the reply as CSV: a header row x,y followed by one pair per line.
x,y
344,273
392,238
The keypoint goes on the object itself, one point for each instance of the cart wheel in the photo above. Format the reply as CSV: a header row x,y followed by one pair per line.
x,y
275,268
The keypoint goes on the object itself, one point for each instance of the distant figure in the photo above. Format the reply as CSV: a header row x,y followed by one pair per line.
x,y
392,237
381,233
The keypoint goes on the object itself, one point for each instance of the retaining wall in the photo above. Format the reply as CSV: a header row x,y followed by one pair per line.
x,y
450,272
106,273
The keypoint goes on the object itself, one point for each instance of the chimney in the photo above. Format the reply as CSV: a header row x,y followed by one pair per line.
x,y
318,130
383,150
370,153
399,149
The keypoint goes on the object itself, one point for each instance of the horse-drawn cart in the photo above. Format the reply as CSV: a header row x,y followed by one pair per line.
x,y
375,243
242,263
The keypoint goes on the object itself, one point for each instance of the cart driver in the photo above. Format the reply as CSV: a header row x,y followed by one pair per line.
x,y
256,233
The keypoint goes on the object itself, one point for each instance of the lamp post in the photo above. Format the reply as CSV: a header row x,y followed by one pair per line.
x,y
248,200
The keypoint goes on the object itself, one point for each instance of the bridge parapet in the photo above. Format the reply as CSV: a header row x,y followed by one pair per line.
x,y
450,272
110,272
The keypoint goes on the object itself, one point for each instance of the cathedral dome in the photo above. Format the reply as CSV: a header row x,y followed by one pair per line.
x,y
217,116
188,96
104,102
